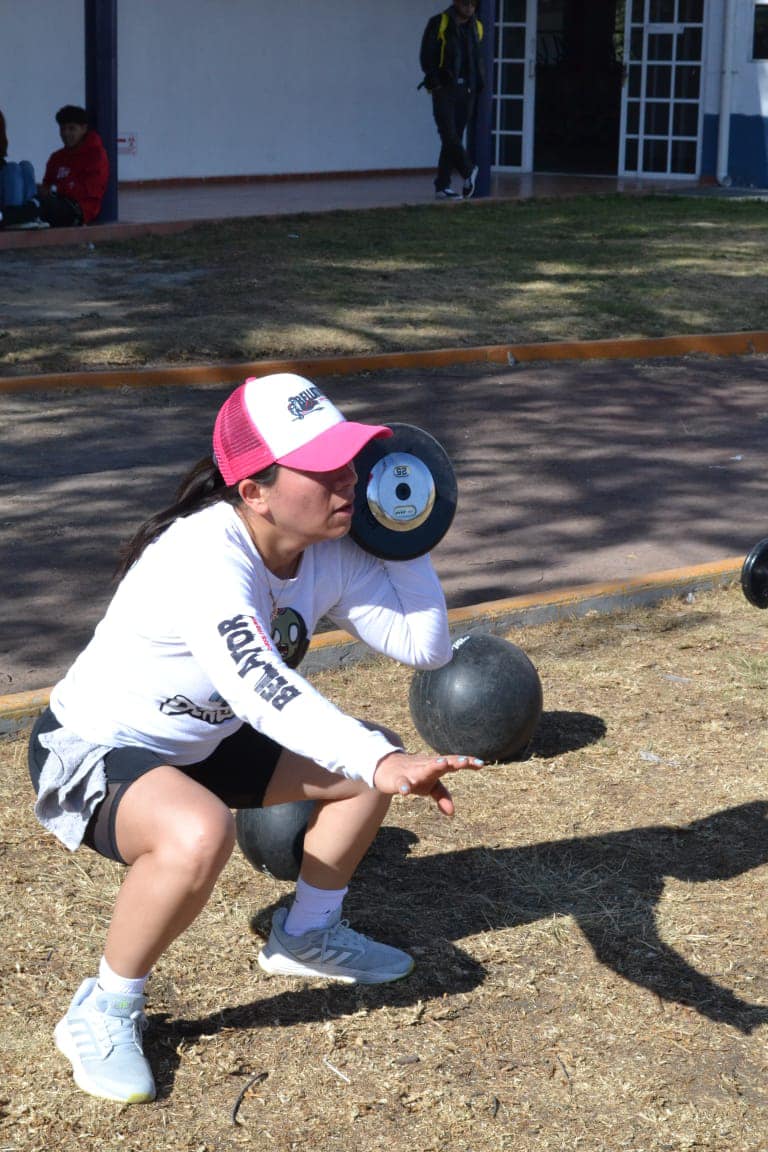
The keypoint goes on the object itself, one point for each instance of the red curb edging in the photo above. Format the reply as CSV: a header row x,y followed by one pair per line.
x,y
640,348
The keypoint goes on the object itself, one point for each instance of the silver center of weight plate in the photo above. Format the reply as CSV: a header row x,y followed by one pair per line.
x,y
400,492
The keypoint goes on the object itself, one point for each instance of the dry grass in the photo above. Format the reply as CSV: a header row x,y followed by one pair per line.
x,y
389,280
590,933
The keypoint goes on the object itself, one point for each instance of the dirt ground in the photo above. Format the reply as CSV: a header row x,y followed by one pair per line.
x,y
590,934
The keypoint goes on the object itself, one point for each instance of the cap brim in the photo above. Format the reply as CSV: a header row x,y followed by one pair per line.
x,y
335,447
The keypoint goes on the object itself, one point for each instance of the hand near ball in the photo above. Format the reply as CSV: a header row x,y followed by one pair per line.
x,y
403,774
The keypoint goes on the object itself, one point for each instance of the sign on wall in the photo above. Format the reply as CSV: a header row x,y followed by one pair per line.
x,y
127,143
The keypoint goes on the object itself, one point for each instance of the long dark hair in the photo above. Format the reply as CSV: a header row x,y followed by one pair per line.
x,y
202,486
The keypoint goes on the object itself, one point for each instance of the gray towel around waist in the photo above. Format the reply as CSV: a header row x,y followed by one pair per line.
x,y
73,781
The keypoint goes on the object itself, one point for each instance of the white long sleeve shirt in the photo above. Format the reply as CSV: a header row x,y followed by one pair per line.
x,y
183,655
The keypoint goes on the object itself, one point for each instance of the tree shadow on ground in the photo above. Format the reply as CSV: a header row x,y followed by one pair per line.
x,y
610,885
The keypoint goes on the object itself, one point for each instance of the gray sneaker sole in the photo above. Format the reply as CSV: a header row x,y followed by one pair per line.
x,y
284,966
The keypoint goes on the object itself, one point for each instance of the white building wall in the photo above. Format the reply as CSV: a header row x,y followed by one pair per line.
x,y
231,87
749,78
41,68
749,94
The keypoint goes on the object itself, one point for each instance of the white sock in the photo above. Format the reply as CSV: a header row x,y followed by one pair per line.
x,y
115,985
312,908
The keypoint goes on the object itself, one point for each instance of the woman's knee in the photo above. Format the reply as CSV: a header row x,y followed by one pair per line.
x,y
202,839
185,829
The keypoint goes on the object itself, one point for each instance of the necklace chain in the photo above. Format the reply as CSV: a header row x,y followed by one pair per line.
x,y
274,599
268,571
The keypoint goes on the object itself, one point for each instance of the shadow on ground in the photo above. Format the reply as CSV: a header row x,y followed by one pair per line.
x,y
609,884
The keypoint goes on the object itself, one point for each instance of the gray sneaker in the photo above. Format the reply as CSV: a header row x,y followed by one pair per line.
x,y
335,952
101,1036
28,226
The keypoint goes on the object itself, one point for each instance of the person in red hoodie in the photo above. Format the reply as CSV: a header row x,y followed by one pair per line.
x,y
75,179
76,175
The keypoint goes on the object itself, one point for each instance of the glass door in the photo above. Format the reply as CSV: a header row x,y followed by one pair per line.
x,y
661,102
514,81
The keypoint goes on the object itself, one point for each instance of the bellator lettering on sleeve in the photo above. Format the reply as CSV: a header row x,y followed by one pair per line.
x,y
243,635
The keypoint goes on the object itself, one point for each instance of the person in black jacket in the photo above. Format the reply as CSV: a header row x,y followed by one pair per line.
x,y
452,62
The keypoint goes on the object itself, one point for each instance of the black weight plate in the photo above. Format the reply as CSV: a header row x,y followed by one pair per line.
x,y
424,522
754,575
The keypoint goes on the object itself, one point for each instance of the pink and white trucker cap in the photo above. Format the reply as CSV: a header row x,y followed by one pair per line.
x,y
285,419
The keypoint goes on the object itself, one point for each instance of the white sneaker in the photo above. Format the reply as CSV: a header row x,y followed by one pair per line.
x,y
27,226
335,952
101,1037
468,189
446,194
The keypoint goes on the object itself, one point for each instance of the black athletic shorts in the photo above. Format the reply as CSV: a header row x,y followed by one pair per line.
x,y
238,772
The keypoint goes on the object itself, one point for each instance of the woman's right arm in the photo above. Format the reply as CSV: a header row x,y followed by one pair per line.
x,y
222,615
